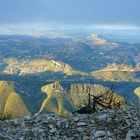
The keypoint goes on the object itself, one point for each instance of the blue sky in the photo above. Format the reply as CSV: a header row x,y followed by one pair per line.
x,y
95,13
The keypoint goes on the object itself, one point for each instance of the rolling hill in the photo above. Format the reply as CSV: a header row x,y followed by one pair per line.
x,y
11,104
35,66
118,73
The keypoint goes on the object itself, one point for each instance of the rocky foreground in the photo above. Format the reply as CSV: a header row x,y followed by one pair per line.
x,y
102,125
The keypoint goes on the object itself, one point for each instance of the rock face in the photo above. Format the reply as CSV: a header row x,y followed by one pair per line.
x,y
56,101
114,125
62,102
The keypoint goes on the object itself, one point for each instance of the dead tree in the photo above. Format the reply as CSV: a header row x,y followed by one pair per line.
x,y
88,91
105,100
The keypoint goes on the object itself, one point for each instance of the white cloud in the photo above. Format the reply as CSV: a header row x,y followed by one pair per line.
x,y
115,26
43,28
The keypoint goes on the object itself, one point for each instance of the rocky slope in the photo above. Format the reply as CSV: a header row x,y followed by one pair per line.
x,y
102,125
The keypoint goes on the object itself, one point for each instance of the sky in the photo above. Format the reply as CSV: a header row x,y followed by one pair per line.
x,y
84,13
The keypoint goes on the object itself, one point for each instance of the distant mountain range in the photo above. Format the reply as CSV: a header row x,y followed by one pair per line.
x,y
27,63
84,54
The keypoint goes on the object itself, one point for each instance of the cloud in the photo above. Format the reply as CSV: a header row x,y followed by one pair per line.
x,y
115,26
44,28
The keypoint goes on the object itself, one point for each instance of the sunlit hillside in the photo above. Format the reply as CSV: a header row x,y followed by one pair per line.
x,y
120,73
57,100
24,67
11,104
94,40
79,94
15,107
137,92
61,101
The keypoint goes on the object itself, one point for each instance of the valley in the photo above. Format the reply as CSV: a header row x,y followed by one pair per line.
x,y
45,71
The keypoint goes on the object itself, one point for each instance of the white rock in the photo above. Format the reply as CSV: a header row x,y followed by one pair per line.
x,y
53,130
79,129
99,134
81,124
50,126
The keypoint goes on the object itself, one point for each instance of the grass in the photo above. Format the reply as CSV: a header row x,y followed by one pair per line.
x,y
11,104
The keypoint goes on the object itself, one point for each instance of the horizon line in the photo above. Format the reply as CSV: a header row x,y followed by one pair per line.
x,y
27,28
